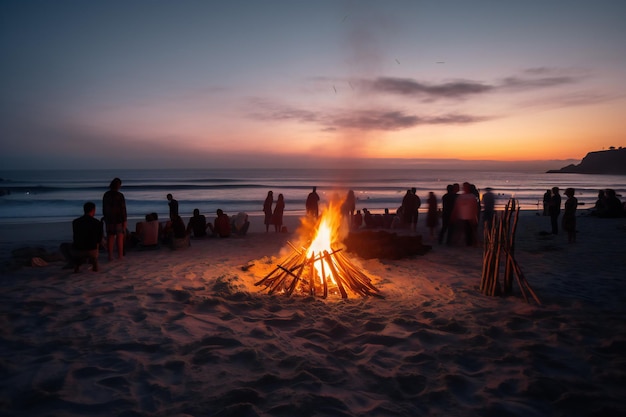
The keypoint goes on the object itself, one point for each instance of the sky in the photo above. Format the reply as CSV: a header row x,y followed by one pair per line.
x,y
218,84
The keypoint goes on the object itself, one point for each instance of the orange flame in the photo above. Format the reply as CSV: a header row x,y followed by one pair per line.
x,y
328,235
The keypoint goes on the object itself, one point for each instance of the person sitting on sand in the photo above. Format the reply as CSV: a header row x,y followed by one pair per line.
x,y
147,232
614,206
87,235
239,224
197,224
221,225
179,237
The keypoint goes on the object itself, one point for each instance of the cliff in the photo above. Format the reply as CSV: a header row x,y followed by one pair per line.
x,y
611,162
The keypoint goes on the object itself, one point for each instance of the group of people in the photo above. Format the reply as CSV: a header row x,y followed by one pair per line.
x,y
274,216
459,214
88,234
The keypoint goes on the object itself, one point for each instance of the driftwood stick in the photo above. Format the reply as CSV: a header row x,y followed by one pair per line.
x,y
312,275
324,279
335,275
294,282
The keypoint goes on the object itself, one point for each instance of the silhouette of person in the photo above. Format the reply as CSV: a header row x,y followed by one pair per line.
x,y
489,205
546,202
465,211
197,224
87,235
569,215
312,203
173,206
349,205
277,217
614,207
221,225
447,205
115,218
554,208
267,209
432,216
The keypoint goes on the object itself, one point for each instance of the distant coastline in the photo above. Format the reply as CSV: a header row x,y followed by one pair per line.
x,y
608,162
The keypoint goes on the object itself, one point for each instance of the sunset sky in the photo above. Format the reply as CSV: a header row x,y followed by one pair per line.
x,y
206,84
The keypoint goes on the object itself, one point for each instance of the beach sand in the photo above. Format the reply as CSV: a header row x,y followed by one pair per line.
x,y
186,332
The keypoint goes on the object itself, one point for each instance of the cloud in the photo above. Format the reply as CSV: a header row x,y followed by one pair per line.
x,y
365,120
410,87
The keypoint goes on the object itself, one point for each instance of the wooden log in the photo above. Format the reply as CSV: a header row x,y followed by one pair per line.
x,y
336,276
324,279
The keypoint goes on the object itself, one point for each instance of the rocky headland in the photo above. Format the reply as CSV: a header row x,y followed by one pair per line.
x,y
608,162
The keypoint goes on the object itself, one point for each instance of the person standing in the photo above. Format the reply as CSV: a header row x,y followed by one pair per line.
x,y
267,209
447,205
569,215
432,216
173,207
87,235
465,211
554,209
312,204
546,202
277,217
115,218
489,205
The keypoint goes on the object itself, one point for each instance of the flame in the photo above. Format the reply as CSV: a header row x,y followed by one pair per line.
x,y
327,238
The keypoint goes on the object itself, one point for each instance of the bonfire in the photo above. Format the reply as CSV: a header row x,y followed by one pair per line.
x,y
319,265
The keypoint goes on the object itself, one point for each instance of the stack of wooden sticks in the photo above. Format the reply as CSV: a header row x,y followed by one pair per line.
x,y
499,251
324,272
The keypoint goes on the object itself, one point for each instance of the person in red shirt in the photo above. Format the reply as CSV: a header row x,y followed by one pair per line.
x,y
221,225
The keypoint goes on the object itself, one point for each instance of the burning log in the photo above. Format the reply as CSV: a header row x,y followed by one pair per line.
x,y
500,243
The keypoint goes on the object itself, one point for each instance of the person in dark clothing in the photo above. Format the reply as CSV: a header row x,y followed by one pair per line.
x,y
173,206
546,202
312,204
447,205
87,235
554,209
197,224
114,212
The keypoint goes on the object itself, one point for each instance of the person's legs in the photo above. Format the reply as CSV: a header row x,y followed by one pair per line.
x,y
120,245
110,244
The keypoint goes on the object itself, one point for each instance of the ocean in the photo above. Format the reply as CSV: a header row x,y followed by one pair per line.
x,y
58,195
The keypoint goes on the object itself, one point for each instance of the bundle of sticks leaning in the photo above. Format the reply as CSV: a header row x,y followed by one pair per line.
x,y
322,270
500,246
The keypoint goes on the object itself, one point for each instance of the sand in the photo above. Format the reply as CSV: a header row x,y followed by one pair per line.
x,y
186,333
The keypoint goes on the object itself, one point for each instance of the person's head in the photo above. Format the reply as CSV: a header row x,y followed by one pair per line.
x,y
154,216
456,187
386,210
115,184
467,187
601,194
314,189
450,188
219,212
569,192
89,208
280,196
148,217
414,190
270,193
555,190
169,197
196,212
